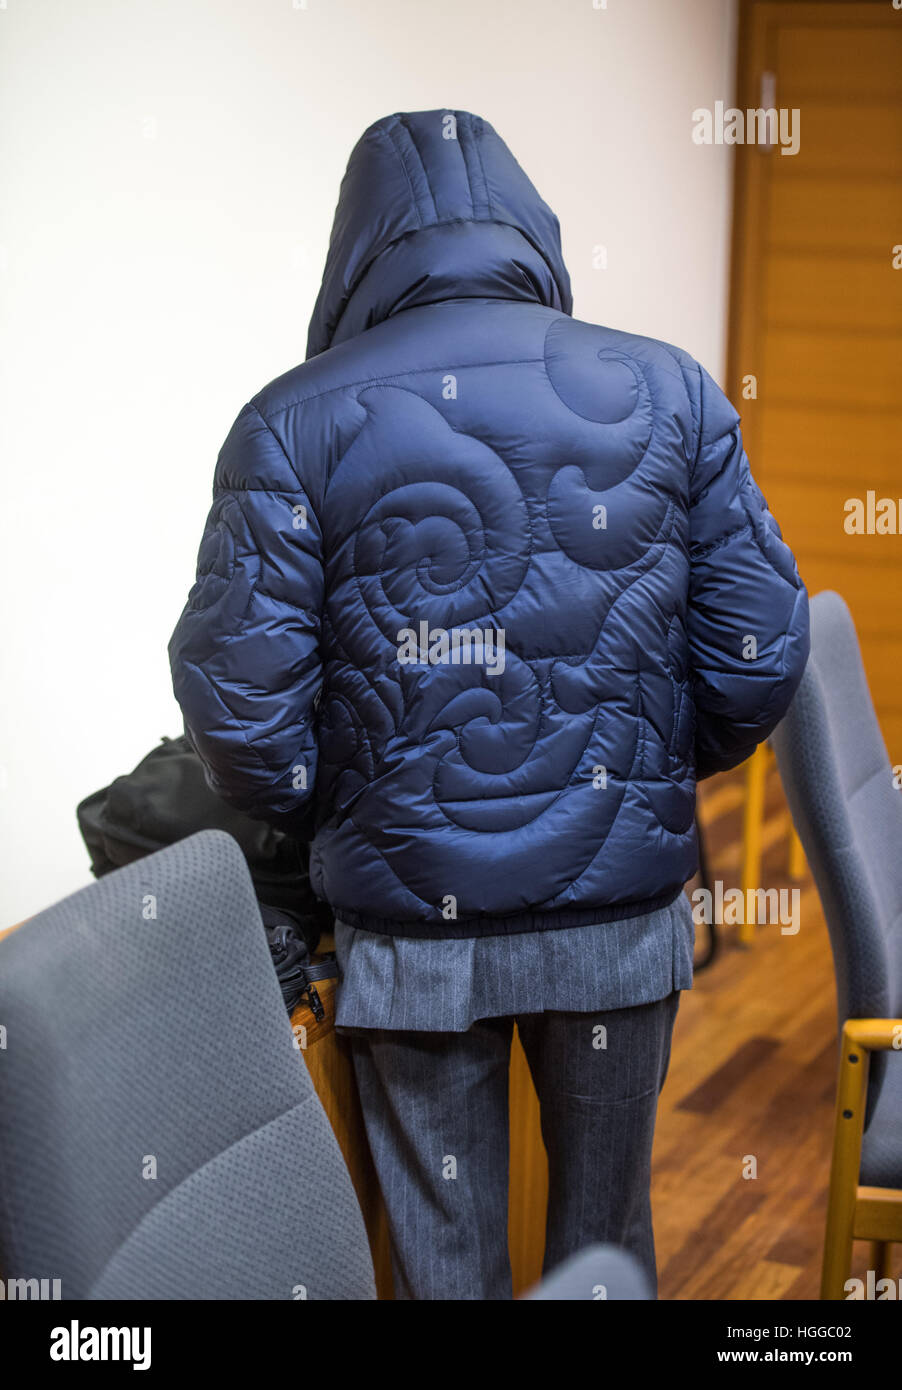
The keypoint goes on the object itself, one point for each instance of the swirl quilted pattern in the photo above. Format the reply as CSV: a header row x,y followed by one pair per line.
x,y
483,589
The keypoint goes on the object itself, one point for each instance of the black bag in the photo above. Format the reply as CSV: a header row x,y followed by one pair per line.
x,y
295,966
166,799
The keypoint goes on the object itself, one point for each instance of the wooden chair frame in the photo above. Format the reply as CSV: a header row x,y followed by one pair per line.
x,y
855,1212
756,770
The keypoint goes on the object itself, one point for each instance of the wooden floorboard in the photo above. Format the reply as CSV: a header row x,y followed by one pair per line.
x,y
752,1077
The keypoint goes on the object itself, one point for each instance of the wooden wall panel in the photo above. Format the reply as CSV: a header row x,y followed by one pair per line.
x,y
829,291
838,137
814,441
813,59
805,213
807,367
817,304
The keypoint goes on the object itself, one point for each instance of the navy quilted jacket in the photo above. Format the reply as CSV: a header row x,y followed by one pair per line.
x,y
484,589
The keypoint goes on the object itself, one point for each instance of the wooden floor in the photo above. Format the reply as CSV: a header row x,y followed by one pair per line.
x,y
752,1073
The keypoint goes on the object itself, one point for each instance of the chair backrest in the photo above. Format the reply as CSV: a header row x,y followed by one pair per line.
x,y
597,1272
839,784
160,1136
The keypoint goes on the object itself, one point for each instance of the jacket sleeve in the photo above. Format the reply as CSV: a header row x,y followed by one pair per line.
x,y
245,655
748,608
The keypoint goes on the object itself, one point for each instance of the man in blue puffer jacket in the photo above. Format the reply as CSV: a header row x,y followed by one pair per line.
x,y
484,590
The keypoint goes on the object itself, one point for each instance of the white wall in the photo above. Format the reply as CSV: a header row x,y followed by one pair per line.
x,y
169,169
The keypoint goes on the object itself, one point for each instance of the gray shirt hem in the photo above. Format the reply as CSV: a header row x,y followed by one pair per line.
x,y
428,985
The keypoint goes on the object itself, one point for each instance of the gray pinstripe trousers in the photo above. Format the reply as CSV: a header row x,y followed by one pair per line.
x,y
436,1112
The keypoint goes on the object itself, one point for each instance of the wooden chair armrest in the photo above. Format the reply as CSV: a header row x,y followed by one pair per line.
x,y
874,1034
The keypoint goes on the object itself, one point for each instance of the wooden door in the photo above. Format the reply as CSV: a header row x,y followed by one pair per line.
x,y
817,305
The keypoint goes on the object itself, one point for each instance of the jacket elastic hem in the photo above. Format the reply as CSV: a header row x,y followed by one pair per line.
x,y
554,919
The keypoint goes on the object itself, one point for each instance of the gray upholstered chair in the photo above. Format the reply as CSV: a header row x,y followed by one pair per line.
x,y
839,784
598,1272
160,1136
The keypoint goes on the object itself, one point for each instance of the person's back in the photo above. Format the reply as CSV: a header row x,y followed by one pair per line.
x,y
484,589
522,555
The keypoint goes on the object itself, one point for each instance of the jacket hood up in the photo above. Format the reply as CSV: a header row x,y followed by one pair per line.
x,y
470,559
434,206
